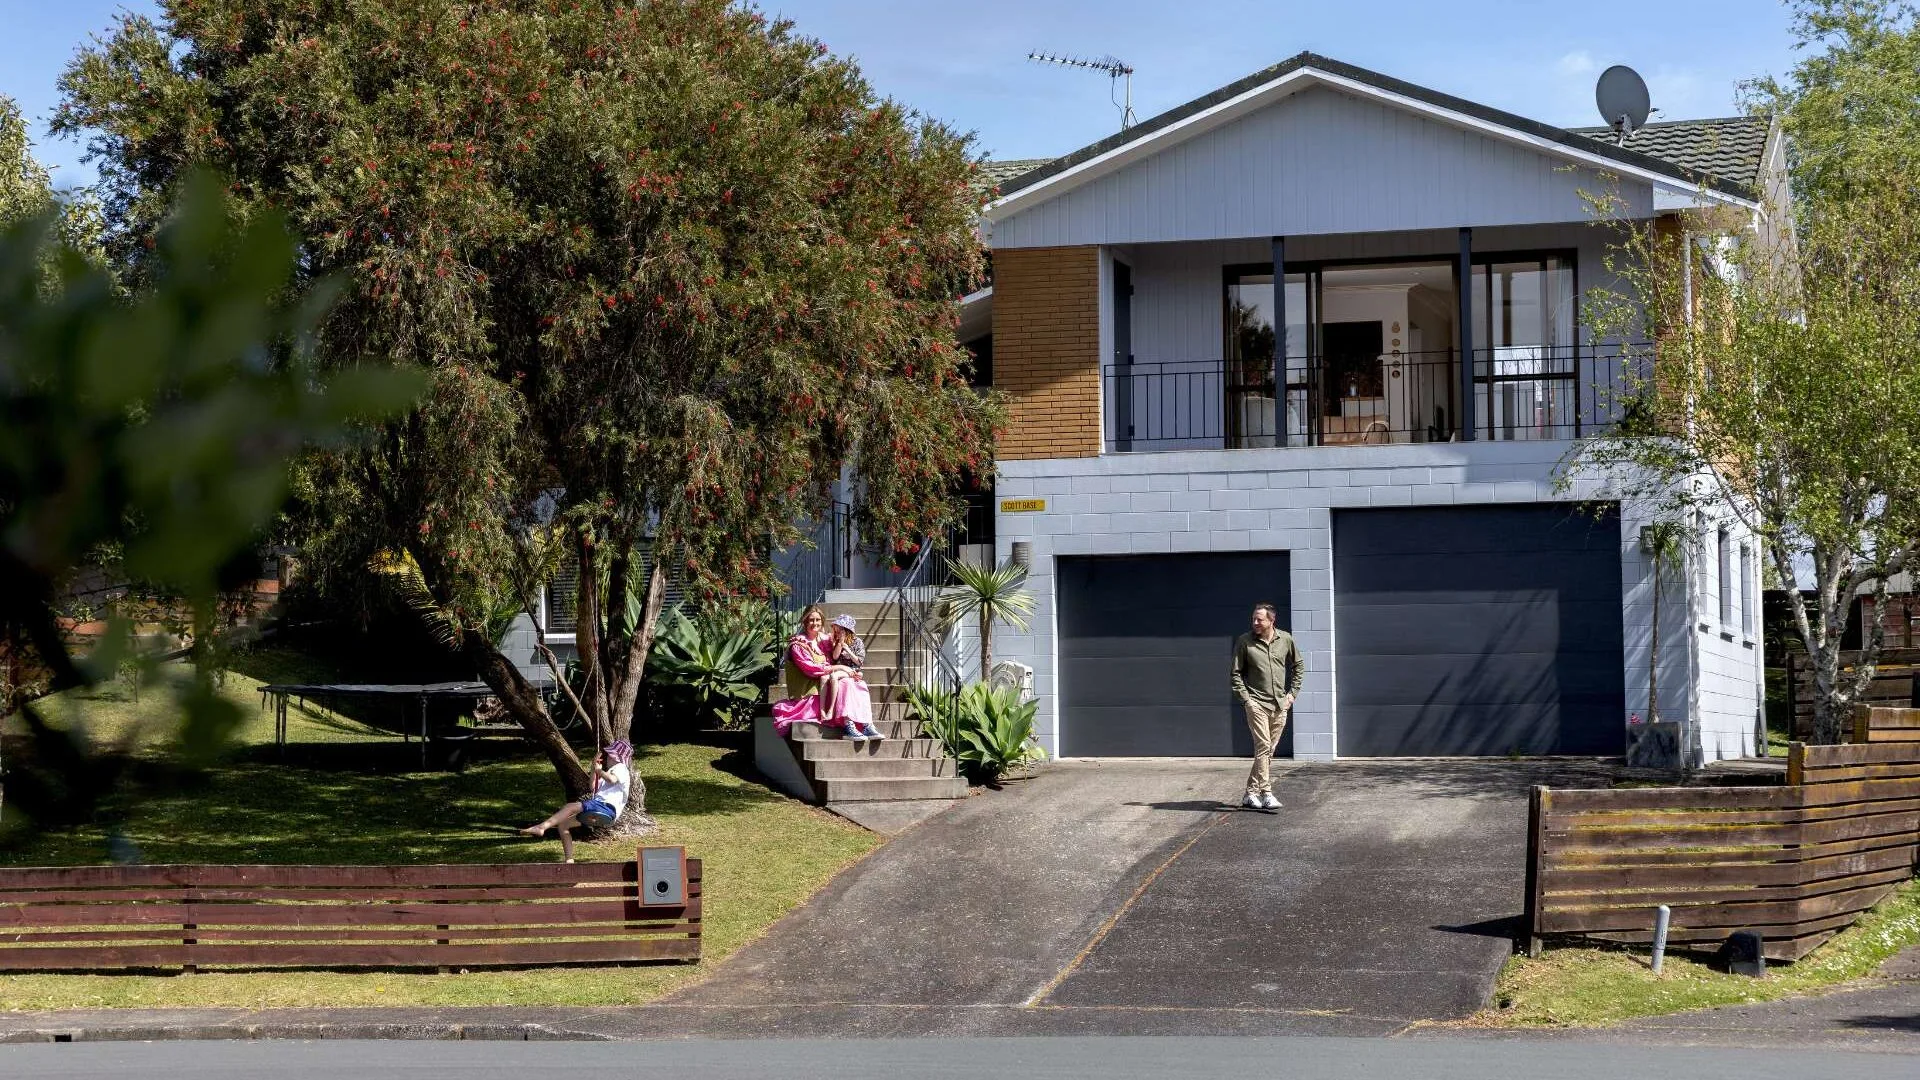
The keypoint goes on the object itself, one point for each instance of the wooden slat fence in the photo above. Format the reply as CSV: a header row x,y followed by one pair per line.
x,y
91,918
1797,863
1892,685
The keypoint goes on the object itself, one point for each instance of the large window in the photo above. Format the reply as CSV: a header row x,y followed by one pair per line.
x,y
1525,371
1726,581
1748,590
1252,346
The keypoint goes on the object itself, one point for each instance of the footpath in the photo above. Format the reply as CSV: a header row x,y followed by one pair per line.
x,y
1881,1014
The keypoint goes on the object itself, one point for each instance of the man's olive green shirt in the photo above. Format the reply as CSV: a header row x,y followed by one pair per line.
x,y
1266,671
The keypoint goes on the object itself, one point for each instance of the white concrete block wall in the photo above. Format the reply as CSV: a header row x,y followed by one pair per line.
x,y
1282,500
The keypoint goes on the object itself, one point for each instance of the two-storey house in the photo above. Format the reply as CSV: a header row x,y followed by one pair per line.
x,y
1315,339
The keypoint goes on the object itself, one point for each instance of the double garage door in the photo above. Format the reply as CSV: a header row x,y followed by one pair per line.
x,y
1458,631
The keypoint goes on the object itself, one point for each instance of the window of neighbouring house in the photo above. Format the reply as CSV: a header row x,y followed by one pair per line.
x,y
1748,590
558,599
1727,581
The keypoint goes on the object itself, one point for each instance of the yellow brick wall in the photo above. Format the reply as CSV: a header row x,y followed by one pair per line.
x,y
1046,350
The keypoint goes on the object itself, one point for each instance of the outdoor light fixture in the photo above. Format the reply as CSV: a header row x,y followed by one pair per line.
x,y
1022,554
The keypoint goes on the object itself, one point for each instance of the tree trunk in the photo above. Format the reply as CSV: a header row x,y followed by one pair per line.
x,y
524,705
587,639
621,720
986,646
1826,707
1653,659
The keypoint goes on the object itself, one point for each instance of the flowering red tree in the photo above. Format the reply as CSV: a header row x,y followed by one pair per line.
x,y
669,264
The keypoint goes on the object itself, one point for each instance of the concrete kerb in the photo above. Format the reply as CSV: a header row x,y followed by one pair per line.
x,y
303,1024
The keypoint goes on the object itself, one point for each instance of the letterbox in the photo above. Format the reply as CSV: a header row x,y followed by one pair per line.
x,y
663,876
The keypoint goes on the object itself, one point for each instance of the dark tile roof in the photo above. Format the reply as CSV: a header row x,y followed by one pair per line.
x,y
1727,148
1626,155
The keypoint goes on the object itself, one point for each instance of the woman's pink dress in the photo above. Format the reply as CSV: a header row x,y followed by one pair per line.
x,y
807,702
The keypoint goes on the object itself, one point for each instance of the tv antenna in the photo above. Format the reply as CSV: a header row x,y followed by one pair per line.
x,y
1622,97
1115,69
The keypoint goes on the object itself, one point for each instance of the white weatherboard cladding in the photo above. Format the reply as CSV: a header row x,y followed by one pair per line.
x,y
1320,161
1729,676
1283,500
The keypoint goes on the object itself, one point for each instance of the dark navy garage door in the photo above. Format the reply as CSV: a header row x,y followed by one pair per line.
x,y
1145,647
1478,630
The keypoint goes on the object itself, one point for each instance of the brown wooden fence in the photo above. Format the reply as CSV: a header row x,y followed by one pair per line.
x,y
1892,683
1798,863
194,917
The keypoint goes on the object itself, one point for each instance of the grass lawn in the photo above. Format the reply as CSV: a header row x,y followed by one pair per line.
x,y
349,793
1588,987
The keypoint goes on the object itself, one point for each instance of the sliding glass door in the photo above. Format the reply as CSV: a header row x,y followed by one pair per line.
x,y
1526,367
1255,417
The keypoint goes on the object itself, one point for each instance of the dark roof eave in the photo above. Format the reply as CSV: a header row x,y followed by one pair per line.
x,y
1390,85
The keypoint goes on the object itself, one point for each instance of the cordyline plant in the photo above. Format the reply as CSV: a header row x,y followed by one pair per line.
x,y
669,264
1782,387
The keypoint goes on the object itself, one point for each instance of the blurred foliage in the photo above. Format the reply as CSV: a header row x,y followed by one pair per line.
x,y
158,428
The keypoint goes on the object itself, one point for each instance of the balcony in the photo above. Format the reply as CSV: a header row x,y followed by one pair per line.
x,y
1533,392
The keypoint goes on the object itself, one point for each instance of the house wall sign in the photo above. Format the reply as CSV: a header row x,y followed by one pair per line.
x,y
1022,506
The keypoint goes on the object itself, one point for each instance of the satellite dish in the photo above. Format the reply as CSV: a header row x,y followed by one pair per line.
x,y
1622,96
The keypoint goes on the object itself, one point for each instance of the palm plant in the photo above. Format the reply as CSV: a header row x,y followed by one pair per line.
x,y
993,594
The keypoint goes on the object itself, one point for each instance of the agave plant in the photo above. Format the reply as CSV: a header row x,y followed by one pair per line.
x,y
715,671
993,594
996,730
987,729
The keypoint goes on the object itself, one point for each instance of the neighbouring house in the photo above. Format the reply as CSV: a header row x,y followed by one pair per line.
x,y
1315,338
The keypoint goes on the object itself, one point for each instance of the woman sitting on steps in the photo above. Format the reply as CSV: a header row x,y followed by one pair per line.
x,y
820,691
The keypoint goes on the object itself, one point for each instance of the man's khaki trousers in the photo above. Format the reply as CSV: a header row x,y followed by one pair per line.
x,y
1266,722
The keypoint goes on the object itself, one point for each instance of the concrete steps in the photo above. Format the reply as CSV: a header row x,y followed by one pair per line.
x,y
893,729
879,768
830,749
839,791
901,769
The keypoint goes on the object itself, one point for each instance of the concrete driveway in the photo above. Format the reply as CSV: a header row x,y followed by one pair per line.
x,y
1128,897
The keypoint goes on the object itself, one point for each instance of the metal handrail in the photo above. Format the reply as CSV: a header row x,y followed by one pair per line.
x,y
1516,392
916,601
823,562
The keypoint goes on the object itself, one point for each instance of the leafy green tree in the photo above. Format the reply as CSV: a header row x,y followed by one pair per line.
x,y
1851,107
1784,384
1787,392
159,427
669,265
26,191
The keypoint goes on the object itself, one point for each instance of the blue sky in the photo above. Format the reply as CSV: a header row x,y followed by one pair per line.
x,y
965,62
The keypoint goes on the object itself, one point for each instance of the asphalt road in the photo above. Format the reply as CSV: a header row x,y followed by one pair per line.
x,y
961,1059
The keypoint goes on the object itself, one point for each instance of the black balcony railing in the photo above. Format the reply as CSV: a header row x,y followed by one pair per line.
x,y
1517,392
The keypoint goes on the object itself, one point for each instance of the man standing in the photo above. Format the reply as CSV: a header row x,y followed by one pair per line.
x,y
1267,673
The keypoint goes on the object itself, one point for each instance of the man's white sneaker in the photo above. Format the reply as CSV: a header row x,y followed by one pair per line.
x,y
1252,802
1268,802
